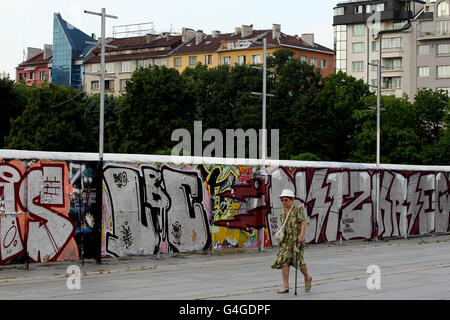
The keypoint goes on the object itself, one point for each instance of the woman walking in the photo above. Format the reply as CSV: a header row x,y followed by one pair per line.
x,y
295,231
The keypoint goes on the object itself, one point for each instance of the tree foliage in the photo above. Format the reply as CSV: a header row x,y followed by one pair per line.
x,y
59,128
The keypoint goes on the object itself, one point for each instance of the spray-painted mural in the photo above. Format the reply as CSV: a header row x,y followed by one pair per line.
x,y
40,203
48,208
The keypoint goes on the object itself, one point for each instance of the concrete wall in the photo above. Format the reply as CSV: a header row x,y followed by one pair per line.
x,y
159,204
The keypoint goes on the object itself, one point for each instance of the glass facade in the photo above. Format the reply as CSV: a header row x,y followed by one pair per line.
x,y
62,56
340,44
69,51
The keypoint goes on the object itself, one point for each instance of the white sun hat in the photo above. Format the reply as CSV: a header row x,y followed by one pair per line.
x,y
287,193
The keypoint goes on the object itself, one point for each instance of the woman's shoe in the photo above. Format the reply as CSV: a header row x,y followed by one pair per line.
x,y
283,290
308,284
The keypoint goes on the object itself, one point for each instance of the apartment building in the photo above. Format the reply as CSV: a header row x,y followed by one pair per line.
x,y
431,29
36,68
366,32
244,46
130,54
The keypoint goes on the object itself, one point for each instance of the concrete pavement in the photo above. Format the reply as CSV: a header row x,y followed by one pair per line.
x,y
417,268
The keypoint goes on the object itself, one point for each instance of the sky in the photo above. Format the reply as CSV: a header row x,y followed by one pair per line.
x,y
29,23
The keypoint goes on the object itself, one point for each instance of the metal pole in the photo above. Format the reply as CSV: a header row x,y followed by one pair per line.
x,y
378,143
102,87
264,135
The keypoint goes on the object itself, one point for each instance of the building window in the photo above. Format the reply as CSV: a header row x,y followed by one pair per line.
x,y
397,83
368,8
359,9
358,30
443,28
423,50
109,67
443,9
209,59
357,47
125,66
392,43
443,49
109,85
304,59
324,64
358,66
443,71
376,46
142,63
256,59
42,75
380,7
95,67
192,61
22,76
162,62
177,62
95,85
424,72
241,59
123,84
393,64
226,60
313,62
339,11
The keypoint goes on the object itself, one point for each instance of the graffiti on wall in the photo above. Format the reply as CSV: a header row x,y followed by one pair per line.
x,y
47,212
34,211
154,209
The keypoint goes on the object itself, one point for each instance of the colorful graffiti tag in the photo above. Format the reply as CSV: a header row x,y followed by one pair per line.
x,y
47,207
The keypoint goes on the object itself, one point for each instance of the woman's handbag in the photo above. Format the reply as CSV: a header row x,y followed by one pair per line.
x,y
281,232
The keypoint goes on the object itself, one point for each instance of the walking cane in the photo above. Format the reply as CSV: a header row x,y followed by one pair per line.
x,y
296,257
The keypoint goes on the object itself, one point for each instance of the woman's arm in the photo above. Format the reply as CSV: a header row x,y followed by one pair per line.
x,y
301,236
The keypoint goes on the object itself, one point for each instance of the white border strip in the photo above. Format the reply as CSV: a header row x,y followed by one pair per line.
x,y
136,158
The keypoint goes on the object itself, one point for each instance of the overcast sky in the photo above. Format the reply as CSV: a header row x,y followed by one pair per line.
x,y
29,23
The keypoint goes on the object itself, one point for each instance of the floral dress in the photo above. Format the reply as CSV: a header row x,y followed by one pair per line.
x,y
286,254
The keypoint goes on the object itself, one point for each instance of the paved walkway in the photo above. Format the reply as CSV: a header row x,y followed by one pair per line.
x,y
417,268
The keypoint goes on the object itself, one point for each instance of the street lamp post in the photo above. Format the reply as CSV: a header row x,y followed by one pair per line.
x,y
103,45
264,131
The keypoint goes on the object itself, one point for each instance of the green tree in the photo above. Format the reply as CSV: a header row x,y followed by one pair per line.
x,y
156,103
92,114
294,84
13,98
52,121
340,97
398,142
431,107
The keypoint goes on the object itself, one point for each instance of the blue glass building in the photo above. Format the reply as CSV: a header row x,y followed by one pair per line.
x,y
69,53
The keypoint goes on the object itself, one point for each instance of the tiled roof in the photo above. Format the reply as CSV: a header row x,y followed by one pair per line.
x,y
141,42
298,42
210,44
136,43
37,60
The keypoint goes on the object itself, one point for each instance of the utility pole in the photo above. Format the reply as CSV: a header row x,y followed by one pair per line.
x,y
377,195
103,45
264,131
